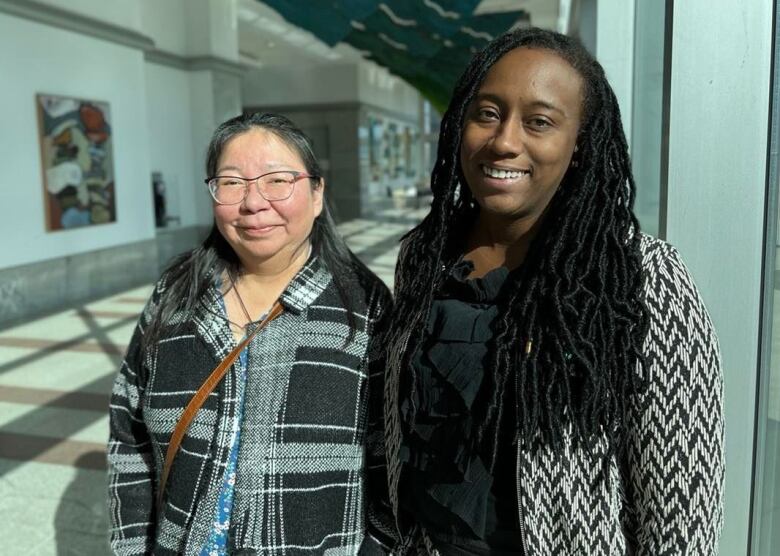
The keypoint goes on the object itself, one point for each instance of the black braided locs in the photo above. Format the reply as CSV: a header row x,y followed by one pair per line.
x,y
576,302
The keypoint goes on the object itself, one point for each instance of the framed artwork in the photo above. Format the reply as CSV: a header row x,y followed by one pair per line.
x,y
77,161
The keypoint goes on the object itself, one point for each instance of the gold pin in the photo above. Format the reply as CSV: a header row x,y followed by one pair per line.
x,y
528,345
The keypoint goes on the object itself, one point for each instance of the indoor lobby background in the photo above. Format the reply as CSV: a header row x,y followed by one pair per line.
x,y
700,101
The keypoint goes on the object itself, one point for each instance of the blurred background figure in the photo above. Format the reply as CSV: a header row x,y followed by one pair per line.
x,y
158,193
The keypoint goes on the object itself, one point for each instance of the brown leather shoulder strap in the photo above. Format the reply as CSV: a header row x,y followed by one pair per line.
x,y
200,396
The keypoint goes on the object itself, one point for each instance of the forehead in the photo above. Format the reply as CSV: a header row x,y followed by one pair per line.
x,y
259,145
535,74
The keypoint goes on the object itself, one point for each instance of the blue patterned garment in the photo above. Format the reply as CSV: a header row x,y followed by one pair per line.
x,y
216,545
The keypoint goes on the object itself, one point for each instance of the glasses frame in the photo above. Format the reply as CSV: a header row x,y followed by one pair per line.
x,y
297,176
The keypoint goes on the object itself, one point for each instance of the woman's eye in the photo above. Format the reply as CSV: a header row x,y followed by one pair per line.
x,y
487,114
539,123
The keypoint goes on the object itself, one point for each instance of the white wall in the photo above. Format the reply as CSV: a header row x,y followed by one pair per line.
x,y
202,97
186,106
212,28
192,27
124,13
328,83
61,62
164,22
300,85
171,140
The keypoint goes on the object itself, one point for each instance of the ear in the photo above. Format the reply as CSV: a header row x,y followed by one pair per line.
x,y
317,191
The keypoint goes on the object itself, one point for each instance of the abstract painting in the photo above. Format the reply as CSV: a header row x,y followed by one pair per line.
x,y
77,160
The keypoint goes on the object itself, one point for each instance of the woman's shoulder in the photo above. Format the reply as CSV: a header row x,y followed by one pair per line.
x,y
664,269
671,295
364,288
655,252
171,279
155,298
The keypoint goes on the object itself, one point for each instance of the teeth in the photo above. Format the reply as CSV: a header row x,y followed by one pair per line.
x,y
502,174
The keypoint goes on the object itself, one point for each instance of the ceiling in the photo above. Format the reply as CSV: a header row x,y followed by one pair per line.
x,y
428,43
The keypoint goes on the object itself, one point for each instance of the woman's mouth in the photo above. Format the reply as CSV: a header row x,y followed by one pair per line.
x,y
503,173
258,230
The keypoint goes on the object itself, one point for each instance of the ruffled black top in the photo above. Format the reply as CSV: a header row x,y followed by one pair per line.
x,y
445,484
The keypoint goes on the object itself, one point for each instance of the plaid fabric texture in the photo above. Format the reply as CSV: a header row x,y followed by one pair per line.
x,y
301,462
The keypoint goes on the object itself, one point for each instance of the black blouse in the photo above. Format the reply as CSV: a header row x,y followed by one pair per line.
x,y
445,484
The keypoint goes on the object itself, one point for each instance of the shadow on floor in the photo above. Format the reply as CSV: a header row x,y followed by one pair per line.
x,y
81,521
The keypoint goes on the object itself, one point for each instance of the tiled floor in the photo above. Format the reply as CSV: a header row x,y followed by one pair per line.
x,y
55,378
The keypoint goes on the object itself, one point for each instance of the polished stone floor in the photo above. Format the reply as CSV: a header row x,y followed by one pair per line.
x,y
55,377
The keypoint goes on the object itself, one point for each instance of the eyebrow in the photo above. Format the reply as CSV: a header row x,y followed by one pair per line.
x,y
270,167
548,106
536,103
225,168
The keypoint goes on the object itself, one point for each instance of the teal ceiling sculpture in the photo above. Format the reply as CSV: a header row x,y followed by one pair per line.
x,y
428,43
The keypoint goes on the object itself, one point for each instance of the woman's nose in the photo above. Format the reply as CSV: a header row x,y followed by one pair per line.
x,y
254,201
508,139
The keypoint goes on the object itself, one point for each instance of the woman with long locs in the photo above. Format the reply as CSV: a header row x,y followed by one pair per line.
x,y
552,378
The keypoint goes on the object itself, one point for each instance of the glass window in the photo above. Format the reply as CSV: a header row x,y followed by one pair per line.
x,y
765,538
766,509
647,117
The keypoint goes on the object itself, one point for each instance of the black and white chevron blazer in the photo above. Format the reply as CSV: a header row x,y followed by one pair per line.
x,y
667,499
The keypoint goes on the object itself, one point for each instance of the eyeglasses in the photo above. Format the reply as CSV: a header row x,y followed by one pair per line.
x,y
273,186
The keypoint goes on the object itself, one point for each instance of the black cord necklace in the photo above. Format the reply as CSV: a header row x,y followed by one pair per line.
x,y
247,328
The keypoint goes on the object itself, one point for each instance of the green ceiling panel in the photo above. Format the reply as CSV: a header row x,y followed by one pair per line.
x,y
416,40
329,20
425,42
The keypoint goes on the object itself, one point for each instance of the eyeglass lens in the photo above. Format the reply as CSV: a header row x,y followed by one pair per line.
x,y
229,190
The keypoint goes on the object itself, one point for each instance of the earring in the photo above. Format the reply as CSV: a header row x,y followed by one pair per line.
x,y
575,162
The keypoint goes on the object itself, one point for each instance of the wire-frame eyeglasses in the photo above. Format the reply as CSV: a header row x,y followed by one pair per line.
x,y
273,186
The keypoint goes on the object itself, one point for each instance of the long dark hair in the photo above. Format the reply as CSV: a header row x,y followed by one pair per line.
x,y
189,276
570,330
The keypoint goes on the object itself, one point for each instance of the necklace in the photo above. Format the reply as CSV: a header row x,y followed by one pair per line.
x,y
249,321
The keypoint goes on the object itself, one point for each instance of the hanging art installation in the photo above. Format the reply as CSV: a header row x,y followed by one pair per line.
x,y
77,161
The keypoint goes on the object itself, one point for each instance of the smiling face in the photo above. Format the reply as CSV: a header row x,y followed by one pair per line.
x,y
260,230
520,133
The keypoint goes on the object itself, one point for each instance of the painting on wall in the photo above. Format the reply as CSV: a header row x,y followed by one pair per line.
x,y
77,161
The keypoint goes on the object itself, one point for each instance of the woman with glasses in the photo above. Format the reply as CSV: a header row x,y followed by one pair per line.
x,y
553,377
272,461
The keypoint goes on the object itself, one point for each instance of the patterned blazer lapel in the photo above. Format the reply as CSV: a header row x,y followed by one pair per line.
x,y
306,286
211,324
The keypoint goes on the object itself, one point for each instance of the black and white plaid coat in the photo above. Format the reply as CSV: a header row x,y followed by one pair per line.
x,y
666,497
312,465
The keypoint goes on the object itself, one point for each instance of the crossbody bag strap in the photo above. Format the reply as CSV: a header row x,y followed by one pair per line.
x,y
200,396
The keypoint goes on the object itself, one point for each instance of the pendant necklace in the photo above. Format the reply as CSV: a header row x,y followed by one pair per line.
x,y
249,322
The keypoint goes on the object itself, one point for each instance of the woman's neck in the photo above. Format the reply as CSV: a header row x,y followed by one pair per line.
x,y
496,241
278,270
260,284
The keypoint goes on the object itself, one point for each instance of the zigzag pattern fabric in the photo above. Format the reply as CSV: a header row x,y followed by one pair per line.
x,y
666,496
